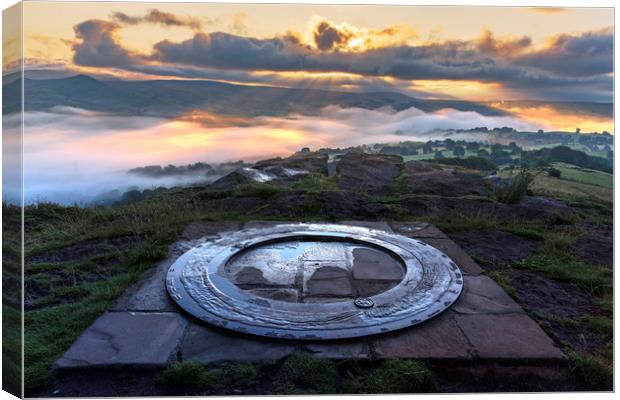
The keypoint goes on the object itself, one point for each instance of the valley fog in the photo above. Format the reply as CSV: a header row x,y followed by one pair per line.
x,y
75,156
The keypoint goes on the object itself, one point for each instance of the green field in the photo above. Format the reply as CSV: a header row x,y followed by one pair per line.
x,y
584,175
575,185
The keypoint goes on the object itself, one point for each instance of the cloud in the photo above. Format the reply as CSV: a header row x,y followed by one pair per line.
x,y
155,16
98,45
328,37
586,54
238,24
509,47
570,62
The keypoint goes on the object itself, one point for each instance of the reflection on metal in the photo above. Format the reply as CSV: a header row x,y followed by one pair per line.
x,y
314,281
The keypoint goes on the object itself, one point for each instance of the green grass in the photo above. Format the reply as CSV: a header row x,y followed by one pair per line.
x,y
303,374
554,260
515,188
590,372
394,376
584,175
192,378
567,190
314,183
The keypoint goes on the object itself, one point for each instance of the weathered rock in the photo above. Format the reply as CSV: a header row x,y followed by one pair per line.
x,y
428,178
339,205
120,339
292,205
595,247
208,346
371,173
542,208
495,247
311,162
454,207
232,180
550,298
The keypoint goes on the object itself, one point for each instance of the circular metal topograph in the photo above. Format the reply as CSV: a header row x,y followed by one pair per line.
x,y
314,281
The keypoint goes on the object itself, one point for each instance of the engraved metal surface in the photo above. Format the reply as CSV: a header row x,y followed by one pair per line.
x,y
314,281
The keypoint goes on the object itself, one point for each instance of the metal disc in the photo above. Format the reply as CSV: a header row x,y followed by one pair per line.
x,y
314,281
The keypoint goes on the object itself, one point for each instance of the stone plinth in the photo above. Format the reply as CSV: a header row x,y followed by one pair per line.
x,y
146,329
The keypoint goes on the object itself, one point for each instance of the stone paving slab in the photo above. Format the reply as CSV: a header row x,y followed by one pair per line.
x,y
149,292
145,328
208,346
438,338
358,350
508,336
127,339
457,254
481,295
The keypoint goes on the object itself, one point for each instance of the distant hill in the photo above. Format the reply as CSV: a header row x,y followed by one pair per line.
x,y
169,98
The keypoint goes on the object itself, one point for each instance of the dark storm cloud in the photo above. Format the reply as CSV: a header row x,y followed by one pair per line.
x,y
577,62
155,16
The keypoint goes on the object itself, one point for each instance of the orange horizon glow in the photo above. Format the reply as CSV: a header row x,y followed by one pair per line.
x,y
554,119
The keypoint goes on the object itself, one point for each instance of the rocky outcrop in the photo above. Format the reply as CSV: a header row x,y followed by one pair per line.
x,y
235,178
311,162
370,173
428,178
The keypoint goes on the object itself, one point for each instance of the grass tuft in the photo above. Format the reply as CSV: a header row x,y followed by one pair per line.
x,y
304,374
394,376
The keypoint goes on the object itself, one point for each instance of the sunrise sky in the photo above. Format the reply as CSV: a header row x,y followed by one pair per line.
x,y
479,54
474,53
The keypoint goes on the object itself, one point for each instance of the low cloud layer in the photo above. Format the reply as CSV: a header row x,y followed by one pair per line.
x,y
62,164
569,66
